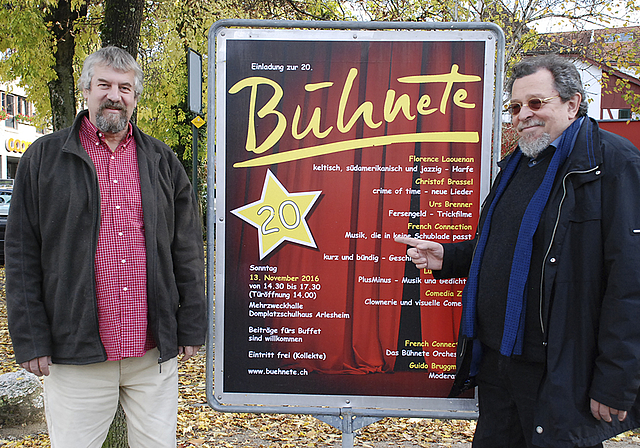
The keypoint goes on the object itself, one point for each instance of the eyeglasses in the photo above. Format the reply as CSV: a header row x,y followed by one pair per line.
x,y
534,104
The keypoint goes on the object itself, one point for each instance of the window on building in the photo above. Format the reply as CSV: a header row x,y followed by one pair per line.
x,y
10,106
618,37
16,107
624,114
11,122
24,107
12,167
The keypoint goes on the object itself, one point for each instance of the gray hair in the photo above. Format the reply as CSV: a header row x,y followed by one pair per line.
x,y
566,78
113,57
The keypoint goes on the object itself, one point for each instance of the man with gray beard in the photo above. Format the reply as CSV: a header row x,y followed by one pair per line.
x,y
114,124
551,306
105,267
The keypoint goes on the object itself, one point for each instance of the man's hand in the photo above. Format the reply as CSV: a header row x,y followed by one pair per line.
x,y
603,412
38,366
424,254
188,351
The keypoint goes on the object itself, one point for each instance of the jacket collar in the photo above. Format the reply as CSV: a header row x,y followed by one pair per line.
x,y
587,153
72,144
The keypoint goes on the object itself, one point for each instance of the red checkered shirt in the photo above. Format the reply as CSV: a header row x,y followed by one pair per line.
x,y
120,263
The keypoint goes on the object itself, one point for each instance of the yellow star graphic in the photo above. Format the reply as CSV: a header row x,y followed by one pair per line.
x,y
279,215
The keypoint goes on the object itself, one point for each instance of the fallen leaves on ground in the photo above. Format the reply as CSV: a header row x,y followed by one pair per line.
x,y
202,427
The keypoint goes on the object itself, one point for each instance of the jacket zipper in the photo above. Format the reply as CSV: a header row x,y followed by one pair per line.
x,y
553,236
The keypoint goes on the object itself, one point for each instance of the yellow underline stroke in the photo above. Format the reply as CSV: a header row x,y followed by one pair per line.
x,y
330,148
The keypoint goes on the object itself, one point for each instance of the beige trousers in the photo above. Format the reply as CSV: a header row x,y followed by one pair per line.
x,y
80,402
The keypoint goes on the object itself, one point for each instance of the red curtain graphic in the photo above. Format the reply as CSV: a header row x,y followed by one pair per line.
x,y
368,304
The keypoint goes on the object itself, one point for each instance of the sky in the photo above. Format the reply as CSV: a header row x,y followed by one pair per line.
x,y
556,25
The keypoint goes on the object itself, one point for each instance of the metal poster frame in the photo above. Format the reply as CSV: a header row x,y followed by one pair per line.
x,y
343,411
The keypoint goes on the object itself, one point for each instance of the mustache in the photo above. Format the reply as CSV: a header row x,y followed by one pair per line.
x,y
112,105
530,122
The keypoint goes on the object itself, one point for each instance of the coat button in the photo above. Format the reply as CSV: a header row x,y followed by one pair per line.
x,y
539,429
552,260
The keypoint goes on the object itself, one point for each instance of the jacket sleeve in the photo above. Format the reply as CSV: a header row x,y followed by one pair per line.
x,y
28,322
188,255
457,259
616,377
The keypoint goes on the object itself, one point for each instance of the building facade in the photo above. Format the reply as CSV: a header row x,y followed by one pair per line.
x,y
16,129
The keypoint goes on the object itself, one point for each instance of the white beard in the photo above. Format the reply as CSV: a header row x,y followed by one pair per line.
x,y
533,146
111,124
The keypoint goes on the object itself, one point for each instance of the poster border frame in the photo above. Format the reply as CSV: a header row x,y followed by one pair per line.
x,y
436,407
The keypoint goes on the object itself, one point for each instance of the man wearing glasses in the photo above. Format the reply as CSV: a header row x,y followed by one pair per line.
x,y
550,331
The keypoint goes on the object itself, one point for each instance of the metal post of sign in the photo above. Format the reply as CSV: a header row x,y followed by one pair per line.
x,y
194,151
347,422
194,69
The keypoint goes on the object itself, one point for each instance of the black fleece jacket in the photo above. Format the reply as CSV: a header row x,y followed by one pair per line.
x,y
589,303
51,242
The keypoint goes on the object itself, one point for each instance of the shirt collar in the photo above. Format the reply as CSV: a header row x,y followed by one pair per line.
x,y
549,150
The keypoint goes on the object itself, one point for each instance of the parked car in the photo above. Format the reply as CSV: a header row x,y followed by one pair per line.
x,y
5,203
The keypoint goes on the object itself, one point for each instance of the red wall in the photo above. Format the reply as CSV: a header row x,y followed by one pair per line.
x,y
627,129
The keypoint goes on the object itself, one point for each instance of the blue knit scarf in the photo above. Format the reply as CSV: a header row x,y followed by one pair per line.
x,y
514,319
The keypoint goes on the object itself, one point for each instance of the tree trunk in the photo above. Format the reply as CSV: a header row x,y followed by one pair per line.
x,y
62,89
121,24
117,436
121,27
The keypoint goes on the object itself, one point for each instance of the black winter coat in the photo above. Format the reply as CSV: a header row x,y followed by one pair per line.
x,y
51,242
590,296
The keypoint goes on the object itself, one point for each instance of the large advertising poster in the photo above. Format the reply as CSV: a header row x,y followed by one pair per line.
x,y
330,144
